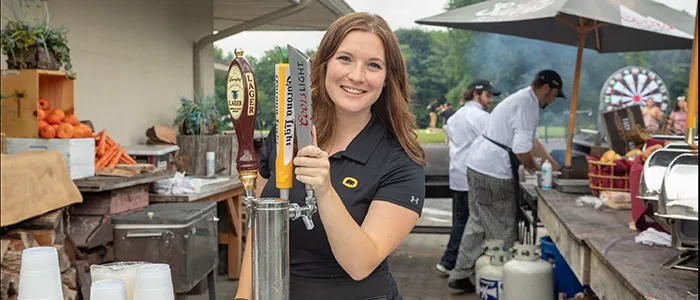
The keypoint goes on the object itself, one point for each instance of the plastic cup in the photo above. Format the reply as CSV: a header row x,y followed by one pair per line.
x,y
108,289
125,271
39,275
154,282
37,259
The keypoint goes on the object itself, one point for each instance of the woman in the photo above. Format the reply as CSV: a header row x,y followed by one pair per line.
x,y
370,189
676,120
652,116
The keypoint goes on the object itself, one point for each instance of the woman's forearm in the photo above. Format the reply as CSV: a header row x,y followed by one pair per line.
x,y
353,249
245,284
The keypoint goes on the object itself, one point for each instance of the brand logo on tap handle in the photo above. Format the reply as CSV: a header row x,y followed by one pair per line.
x,y
301,89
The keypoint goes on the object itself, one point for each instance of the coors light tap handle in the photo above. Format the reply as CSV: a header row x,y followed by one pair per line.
x,y
242,96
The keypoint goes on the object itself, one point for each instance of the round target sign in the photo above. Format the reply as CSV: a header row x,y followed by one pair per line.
x,y
631,86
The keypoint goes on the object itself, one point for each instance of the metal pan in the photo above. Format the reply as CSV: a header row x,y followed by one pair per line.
x,y
679,190
677,145
653,174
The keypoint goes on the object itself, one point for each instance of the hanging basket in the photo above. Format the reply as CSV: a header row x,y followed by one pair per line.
x,y
34,58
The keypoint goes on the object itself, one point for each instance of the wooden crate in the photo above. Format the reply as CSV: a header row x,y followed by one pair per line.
x,y
79,154
195,147
3,143
112,202
23,88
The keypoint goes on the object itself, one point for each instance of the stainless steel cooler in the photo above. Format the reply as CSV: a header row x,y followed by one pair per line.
x,y
183,235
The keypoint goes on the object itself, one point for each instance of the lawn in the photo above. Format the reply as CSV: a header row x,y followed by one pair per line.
x,y
439,137
435,137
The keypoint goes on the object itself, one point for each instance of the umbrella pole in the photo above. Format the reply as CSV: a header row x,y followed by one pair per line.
x,y
574,99
691,120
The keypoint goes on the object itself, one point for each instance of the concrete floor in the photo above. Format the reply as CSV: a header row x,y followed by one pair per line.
x,y
412,264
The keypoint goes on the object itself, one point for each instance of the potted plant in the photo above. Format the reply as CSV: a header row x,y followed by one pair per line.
x,y
33,44
198,117
199,126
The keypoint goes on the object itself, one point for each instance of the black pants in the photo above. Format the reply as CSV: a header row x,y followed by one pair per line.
x,y
460,215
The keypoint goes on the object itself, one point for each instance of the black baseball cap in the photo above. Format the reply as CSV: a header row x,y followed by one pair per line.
x,y
485,85
552,78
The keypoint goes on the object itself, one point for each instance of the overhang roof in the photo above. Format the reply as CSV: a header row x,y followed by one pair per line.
x,y
317,16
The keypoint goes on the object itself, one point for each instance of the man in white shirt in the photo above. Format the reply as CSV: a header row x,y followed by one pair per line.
x,y
492,170
462,129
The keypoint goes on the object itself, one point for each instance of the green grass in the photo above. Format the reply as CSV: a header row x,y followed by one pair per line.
x,y
439,137
435,137
552,132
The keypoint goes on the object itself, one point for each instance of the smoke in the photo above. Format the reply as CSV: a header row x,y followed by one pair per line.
x,y
510,63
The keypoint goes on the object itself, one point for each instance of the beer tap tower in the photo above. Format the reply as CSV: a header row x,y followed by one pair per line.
x,y
268,218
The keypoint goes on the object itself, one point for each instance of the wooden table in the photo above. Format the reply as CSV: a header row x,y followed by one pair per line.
x,y
599,247
231,192
107,183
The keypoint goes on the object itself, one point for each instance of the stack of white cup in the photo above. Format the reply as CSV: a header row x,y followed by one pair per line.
x,y
123,270
154,282
108,289
39,275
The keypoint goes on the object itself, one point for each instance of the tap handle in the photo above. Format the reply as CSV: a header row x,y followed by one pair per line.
x,y
308,222
242,100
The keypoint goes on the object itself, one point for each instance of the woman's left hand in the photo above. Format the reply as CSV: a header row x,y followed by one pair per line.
x,y
313,167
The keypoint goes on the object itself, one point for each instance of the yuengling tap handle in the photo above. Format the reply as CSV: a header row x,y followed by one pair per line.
x,y
242,100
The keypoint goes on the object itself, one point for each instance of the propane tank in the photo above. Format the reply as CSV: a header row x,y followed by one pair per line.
x,y
527,277
491,277
490,246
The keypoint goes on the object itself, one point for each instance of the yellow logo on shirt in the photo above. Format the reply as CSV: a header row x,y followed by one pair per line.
x,y
350,182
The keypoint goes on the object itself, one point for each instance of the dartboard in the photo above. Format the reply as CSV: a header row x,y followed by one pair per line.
x,y
631,86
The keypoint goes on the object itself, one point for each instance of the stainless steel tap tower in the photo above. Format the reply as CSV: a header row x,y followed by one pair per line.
x,y
268,218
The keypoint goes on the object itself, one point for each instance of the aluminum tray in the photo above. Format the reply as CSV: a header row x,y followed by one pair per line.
x,y
653,174
572,186
679,189
677,145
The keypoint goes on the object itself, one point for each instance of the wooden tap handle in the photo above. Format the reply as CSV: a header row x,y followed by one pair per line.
x,y
242,100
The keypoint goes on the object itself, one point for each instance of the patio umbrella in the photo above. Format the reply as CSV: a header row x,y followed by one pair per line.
x,y
692,119
604,25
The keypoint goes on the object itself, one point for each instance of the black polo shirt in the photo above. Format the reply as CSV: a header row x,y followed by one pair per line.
x,y
374,166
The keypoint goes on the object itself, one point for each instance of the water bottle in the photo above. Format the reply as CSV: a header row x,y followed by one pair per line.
x,y
211,164
546,175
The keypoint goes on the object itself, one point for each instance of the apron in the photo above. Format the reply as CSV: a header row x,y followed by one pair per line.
x,y
379,286
514,166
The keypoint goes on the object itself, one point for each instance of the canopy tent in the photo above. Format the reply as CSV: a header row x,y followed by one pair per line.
x,y
603,25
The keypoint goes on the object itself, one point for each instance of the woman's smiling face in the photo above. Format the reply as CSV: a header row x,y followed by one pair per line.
x,y
356,74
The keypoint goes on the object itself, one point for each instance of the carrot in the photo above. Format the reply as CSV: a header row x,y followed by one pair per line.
x,y
102,143
127,158
110,141
105,158
115,160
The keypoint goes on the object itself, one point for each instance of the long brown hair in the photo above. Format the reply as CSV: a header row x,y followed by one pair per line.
x,y
394,103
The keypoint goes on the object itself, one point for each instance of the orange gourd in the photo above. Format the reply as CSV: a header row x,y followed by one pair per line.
x,y
47,132
59,112
44,104
65,131
54,119
71,119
